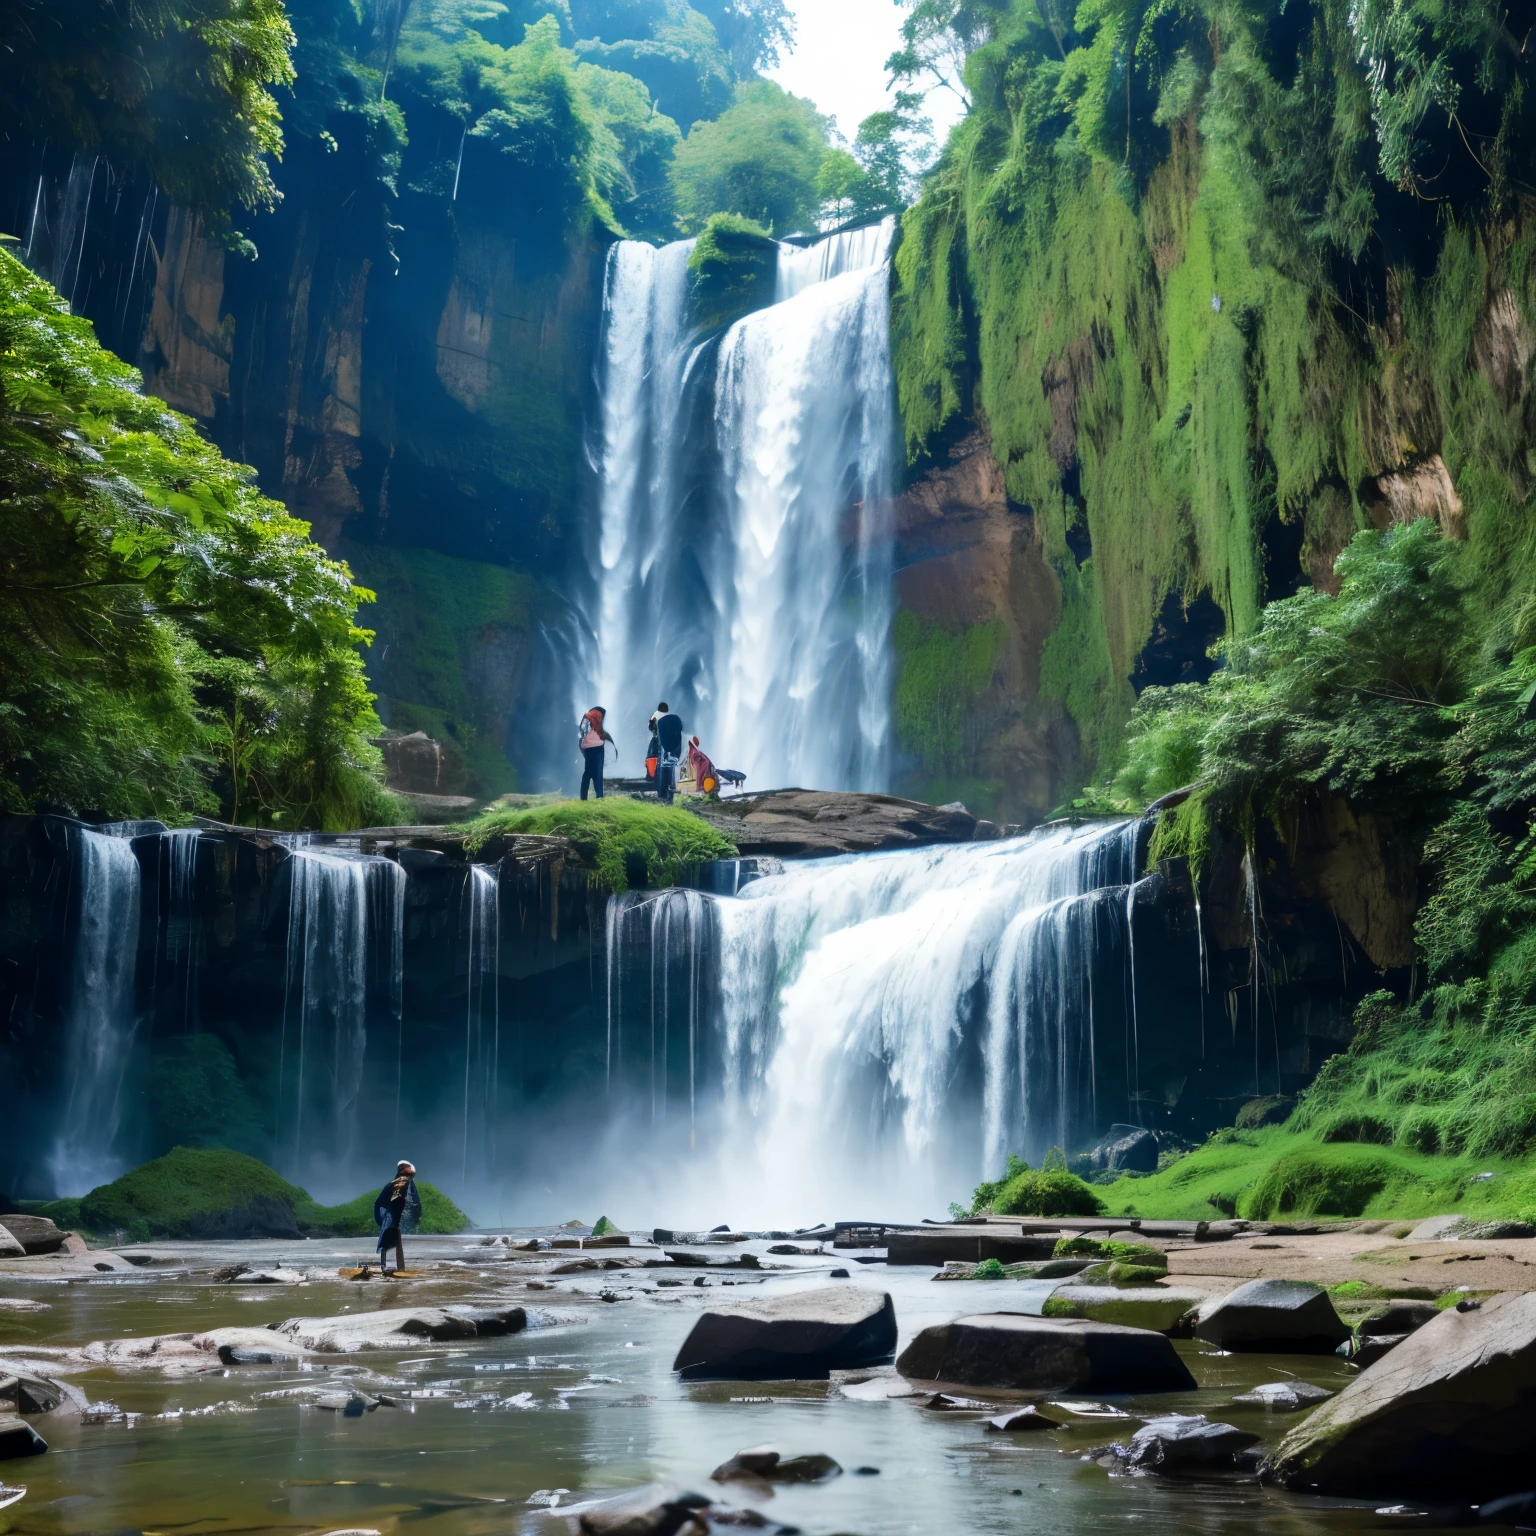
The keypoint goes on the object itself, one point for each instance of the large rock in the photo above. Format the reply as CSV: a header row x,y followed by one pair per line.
x,y
1126,1148
796,823
659,1509
804,1334
1449,1413
36,1234
394,1326
9,1247
1186,1442
1005,1349
1273,1317
18,1438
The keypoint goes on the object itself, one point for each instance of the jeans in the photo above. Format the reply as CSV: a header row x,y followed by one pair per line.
x,y
594,773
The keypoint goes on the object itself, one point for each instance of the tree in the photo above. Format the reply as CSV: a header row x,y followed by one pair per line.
x,y
753,32
759,159
179,89
894,148
937,37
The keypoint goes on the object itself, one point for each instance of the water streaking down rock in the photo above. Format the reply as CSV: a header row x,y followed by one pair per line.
x,y
802,1335
1449,1413
1002,1349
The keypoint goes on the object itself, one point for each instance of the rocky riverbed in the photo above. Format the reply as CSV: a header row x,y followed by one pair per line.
x,y
249,1386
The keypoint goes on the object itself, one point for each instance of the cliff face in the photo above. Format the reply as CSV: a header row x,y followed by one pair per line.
x,y
413,384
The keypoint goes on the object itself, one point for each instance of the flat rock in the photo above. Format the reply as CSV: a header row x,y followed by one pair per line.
x,y
18,1438
802,823
804,1334
1273,1317
1024,1419
1185,1442
1004,1349
1449,1413
1164,1308
1284,1396
390,1328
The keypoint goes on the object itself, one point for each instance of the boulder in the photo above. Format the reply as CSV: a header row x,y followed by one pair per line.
x,y
18,1438
656,1510
390,1328
1402,1317
1449,1413
1367,1350
1273,1317
36,1234
801,1335
10,1248
1125,1149
1284,1396
1005,1349
32,1394
763,1464
1186,1442
812,823
1165,1308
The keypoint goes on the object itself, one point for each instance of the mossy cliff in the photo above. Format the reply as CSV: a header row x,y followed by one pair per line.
x,y
1224,286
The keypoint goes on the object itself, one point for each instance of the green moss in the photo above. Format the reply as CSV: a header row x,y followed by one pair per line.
x,y
1046,1192
185,1193
990,1269
734,266
939,675
620,840
447,633
604,1228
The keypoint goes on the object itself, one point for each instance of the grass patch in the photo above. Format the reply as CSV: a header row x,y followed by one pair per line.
x,y
1277,1172
624,842
199,1192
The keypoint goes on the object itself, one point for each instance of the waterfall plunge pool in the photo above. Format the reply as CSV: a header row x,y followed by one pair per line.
x,y
596,1410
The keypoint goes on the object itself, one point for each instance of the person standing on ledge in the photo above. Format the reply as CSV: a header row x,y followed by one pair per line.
x,y
398,1203
669,739
594,742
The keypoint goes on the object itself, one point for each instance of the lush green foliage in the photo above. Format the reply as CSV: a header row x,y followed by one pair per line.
x,y
1279,1172
734,264
938,678
759,159
1146,259
616,838
1026,1191
180,89
170,640
184,1193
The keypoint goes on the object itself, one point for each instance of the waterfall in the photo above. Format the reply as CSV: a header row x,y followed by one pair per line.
x,y
895,1024
99,1017
482,1016
742,569
345,917
179,926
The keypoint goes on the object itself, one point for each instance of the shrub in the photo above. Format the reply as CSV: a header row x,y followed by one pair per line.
x,y
1315,1182
1046,1192
990,1269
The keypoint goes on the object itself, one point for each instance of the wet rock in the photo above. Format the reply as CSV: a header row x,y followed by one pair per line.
x,y
1402,1317
837,1274
801,1335
1125,1149
1367,1350
18,1438
1284,1396
1186,1442
387,1329
657,1510
1024,1419
1450,1412
1164,1308
33,1394
10,1248
799,823
1028,1353
351,1405
232,1354
795,1248
947,1402
1273,1316
764,1464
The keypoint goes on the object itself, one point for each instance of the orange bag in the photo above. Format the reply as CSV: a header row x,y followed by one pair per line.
x,y
650,767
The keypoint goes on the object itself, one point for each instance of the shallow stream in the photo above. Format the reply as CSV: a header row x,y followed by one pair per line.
x,y
581,1403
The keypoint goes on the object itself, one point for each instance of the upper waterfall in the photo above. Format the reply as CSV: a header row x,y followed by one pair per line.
x,y
741,568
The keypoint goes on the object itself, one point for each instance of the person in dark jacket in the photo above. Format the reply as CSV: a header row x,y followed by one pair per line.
x,y
669,739
398,1207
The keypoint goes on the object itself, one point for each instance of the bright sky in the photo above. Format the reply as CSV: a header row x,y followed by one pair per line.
x,y
839,61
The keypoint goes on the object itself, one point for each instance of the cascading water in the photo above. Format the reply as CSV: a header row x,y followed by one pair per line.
x,y
345,916
752,592
482,1019
100,1017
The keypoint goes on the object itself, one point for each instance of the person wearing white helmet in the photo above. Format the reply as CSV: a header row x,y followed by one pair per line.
x,y
398,1205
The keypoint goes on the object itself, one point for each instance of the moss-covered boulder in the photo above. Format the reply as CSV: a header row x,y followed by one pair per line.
x,y
734,265
211,1192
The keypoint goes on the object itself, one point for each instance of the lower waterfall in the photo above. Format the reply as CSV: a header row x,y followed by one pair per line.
x,y
100,1018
